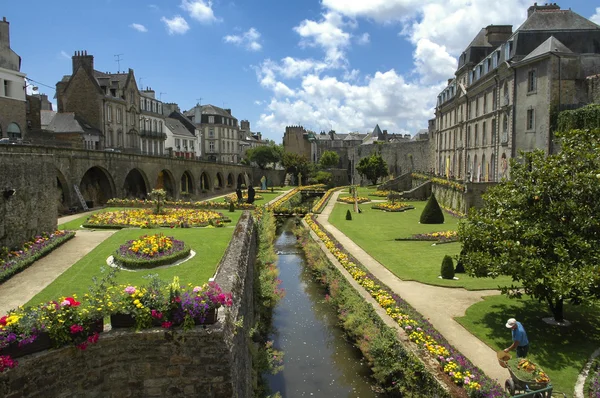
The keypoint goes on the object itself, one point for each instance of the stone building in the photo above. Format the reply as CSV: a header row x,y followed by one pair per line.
x,y
249,139
35,104
300,141
13,122
108,101
219,129
508,90
183,142
152,121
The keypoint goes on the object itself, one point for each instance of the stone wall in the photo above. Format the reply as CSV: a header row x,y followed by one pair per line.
x,y
205,362
31,209
593,83
12,111
274,177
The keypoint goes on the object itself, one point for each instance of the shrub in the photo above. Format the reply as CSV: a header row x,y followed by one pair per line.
x,y
348,215
432,213
460,268
447,270
231,207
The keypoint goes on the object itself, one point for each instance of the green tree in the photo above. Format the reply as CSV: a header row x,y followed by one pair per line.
x,y
542,226
372,168
329,159
294,163
263,155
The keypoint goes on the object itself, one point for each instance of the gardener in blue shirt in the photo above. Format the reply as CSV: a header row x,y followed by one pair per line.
x,y
519,336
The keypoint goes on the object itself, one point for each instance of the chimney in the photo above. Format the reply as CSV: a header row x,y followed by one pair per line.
x,y
198,114
450,80
545,7
245,125
497,34
4,33
81,58
259,136
228,111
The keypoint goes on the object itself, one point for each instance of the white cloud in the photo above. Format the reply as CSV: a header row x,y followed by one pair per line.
x,y
176,25
363,39
327,34
200,10
138,27
596,17
64,54
432,62
379,10
248,39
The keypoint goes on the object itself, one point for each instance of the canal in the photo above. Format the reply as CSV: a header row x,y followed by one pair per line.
x,y
318,361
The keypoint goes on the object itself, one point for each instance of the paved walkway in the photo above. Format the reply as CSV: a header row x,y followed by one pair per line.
x,y
21,288
438,304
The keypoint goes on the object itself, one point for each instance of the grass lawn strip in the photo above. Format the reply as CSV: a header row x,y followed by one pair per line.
x,y
208,243
408,260
561,351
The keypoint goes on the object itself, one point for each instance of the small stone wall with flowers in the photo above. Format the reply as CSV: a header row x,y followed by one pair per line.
x,y
207,361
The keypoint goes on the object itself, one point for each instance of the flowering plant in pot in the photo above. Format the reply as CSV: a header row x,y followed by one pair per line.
x,y
146,305
68,322
19,329
198,305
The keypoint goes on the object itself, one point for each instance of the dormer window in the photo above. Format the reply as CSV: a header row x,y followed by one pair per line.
x,y
507,50
211,120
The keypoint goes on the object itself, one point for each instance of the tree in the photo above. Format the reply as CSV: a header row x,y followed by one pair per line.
x,y
542,226
294,163
263,155
329,159
432,213
372,168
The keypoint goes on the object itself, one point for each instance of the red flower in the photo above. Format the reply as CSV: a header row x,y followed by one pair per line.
x,y
72,301
93,338
76,329
3,320
82,346
167,325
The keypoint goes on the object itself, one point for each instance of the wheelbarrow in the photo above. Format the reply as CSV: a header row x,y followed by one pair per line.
x,y
517,387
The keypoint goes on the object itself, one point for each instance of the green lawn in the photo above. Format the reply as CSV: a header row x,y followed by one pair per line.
x,y
375,230
560,351
208,243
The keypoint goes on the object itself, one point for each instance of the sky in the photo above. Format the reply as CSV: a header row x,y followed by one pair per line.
x,y
345,65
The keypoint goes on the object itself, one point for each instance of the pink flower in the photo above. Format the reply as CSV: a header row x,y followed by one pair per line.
x,y
93,338
197,289
130,289
166,325
82,346
76,329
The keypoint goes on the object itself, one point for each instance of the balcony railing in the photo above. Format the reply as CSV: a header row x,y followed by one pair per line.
x,y
152,134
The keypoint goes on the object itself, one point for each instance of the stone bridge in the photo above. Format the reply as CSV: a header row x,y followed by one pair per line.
x,y
103,175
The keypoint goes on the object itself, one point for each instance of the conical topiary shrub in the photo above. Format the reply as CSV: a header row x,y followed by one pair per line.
x,y
348,215
231,207
447,270
432,213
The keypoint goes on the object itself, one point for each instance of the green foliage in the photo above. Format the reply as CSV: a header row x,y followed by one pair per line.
x,y
587,117
294,163
348,215
432,213
460,267
264,155
329,159
372,168
447,270
542,227
321,177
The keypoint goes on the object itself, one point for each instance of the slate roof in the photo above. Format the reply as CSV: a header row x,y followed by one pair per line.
x,y
480,40
552,44
556,20
68,123
46,117
210,110
177,127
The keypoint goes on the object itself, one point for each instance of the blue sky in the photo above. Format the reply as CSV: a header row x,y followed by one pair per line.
x,y
340,64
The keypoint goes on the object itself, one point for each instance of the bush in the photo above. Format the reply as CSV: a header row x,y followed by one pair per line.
x,y
432,213
348,215
231,207
447,270
460,268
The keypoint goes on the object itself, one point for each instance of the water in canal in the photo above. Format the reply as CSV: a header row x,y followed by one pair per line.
x,y
318,361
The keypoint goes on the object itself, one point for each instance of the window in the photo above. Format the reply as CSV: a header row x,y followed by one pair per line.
x,y
495,59
211,146
531,81
493,141
142,103
119,115
494,102
468,136
191,145
6,88
211,120
476,133
211,134
483,134
160,127
109,113
484,104
141,124
177,143
13,130
160,108
530,119
507,50
155,125
476,107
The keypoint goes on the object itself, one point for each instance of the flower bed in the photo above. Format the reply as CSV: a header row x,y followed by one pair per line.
x,y
279,203
151,251
350,199
232,197
453,212
440,181
439,237
393,207
144,218
381,194
460,370
15,261
594,384
320,205
69,321
183,204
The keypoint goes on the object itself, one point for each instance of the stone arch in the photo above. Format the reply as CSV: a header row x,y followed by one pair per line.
x,y
243,179
97,185
219,181
166,181
63,192
187,182
205,182
136,184
13,130
230,180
